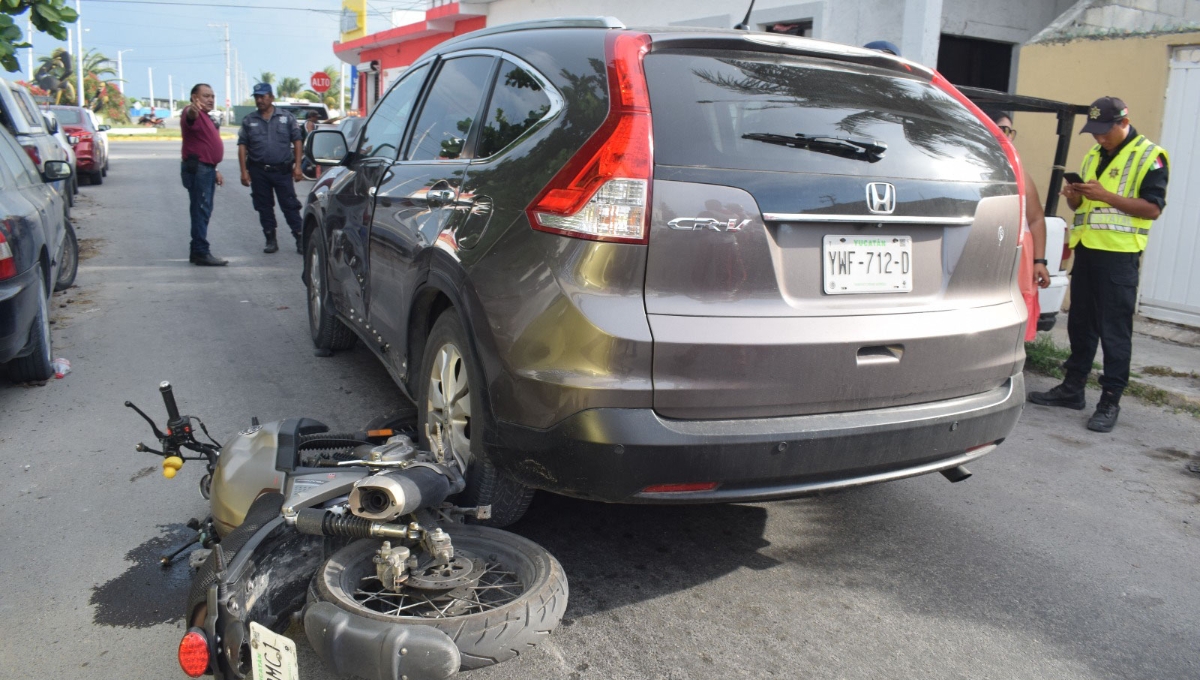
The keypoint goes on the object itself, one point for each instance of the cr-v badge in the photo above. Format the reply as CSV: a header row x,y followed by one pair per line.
x,y
706,224
881,198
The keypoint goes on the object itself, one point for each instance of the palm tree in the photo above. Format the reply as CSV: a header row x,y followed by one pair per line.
x,y
266,77
288,87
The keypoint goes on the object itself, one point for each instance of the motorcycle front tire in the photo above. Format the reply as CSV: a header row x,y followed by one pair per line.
x,y
490,636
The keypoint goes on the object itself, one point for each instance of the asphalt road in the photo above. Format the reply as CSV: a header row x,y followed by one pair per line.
x,y
1068,554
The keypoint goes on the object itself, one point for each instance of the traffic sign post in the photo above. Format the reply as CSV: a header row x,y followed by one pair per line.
x,y
320,82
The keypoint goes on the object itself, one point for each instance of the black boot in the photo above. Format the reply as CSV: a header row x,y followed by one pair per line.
x,y
1068,395
1105,417
299,243
208,260
272,244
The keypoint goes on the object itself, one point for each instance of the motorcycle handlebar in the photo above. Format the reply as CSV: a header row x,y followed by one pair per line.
x,y
169,400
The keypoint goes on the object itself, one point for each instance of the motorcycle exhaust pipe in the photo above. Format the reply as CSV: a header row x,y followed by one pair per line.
x,y
956,473
388,496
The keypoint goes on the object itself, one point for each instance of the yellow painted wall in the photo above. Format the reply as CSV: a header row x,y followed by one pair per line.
x,y
1134,69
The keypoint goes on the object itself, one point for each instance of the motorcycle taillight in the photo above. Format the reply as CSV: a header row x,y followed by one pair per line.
x,y
193,653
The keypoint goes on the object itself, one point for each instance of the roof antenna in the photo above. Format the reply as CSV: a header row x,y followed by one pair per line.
x,y
745,25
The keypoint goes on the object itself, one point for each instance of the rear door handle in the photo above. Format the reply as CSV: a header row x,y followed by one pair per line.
x,y
439,197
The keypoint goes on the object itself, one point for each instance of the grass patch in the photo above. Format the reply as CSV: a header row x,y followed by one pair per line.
x,y
1045,357
1168,372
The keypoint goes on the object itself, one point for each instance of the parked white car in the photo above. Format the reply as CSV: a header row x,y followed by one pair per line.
x,y
1051,299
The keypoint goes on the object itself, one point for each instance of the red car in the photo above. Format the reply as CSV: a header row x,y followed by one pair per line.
x,y
91,147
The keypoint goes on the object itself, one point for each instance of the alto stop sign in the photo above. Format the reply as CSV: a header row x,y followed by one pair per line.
x,y
320,82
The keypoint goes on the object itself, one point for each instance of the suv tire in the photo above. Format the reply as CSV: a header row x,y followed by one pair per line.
x,y
448,352
327,331
36,366
68,259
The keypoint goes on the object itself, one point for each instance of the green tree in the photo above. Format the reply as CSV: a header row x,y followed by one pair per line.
x,y
288,87
266,77
48,16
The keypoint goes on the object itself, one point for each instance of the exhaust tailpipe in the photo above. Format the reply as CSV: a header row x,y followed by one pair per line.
x,y
956,473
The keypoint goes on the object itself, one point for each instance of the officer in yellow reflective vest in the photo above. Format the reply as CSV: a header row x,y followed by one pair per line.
x,y
1124,190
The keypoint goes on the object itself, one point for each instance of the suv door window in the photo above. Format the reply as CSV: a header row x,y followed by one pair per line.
x,y
18,163
453,104
28,109
382,134
518,103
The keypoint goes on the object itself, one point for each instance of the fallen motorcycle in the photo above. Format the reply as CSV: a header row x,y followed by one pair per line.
x,y
350,534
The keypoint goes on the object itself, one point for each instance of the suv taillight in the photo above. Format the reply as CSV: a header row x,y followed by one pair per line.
x,y
8,263
944,85
33,154
603,192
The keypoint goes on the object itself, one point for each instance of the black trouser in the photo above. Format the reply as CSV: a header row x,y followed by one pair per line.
x,y
1103,296
265,184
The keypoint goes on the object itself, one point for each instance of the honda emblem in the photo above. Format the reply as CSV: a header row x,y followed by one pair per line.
x,y
881,198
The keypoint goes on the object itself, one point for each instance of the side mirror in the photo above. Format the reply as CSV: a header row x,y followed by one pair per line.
x,y
104,128
55,170
72,140
327,147
51,125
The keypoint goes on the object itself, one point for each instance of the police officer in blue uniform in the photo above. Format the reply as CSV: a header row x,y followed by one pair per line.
x,y
269,152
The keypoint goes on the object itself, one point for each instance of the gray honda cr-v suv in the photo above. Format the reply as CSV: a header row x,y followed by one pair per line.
x,y
676,266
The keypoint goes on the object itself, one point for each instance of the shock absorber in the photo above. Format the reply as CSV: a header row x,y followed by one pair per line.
x,y
323,523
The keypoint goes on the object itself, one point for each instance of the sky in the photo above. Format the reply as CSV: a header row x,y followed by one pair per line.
x,y
173,37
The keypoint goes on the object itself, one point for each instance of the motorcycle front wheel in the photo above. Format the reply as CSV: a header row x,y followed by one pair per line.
x,y
516,597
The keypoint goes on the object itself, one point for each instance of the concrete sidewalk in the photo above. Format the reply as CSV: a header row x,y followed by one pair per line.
x,y
1165,357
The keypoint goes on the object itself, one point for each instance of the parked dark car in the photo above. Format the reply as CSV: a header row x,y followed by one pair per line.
x,y
38,255
91,145
20,115
676,266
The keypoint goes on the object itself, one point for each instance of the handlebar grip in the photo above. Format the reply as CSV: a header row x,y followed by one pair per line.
x,y
169,400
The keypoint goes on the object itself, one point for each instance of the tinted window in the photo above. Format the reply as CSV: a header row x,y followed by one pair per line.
x,y
27,108
451,107
381,137
518,103
68,116
707,104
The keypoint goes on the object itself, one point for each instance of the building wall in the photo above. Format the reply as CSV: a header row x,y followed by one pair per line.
x,y
1133,68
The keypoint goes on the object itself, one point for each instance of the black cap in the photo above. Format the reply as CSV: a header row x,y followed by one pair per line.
x,y
1103,114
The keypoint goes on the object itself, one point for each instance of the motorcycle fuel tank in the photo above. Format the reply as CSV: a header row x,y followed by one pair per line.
x,y
245,470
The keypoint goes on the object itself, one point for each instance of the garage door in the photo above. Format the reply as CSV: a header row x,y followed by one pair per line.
x,y
1170,277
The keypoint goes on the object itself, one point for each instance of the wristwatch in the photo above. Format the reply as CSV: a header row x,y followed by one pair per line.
x,y
1040,260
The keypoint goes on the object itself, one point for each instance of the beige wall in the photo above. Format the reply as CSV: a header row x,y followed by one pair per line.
x,y
1134,69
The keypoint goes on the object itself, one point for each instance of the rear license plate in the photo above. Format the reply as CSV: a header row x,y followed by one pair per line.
x,y
863,264
274,656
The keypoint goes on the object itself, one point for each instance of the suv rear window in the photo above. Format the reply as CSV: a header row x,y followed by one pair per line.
x,y
738,110
67,116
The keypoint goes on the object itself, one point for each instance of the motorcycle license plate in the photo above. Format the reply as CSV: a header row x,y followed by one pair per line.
x,y
273,655
860,264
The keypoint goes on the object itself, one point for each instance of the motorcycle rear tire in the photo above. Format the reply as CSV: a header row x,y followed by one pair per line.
x,y
483,638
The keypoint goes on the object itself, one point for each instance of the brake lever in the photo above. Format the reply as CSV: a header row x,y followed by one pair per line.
x,y
142,448
154,427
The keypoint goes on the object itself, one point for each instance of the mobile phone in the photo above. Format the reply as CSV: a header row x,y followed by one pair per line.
x,y
1073,177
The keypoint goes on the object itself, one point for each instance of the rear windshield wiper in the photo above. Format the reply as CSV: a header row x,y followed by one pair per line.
x,y
859,148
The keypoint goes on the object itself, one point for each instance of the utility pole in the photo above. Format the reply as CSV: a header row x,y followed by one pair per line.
x,y
237,77
121,71
228,93
342,91
29,39
170,96
79,31
150,74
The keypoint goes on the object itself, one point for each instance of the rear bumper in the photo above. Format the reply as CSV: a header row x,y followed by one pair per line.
x,y
615,454
18,307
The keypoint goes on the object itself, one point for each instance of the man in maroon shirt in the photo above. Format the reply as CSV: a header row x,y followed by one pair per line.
x,y
202,151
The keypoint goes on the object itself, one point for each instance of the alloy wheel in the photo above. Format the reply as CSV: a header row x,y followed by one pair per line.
x,y
449,400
